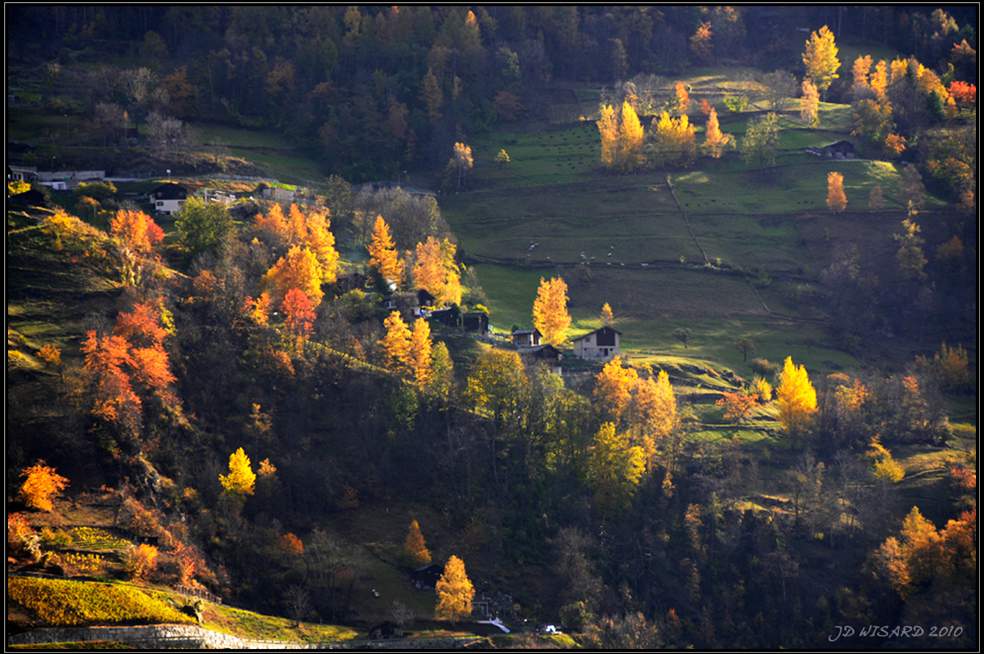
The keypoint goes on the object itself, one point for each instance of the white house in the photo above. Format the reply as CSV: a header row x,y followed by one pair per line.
x,y
168,198
599,345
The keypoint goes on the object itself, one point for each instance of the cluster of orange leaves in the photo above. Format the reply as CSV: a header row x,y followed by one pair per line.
x,y
40,484
134,352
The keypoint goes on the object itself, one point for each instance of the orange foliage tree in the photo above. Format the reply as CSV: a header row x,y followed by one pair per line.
x,y
114,399
141,561
681,99
810,104
291,545
136,231
737,406
40,484
836,200
550,314
715,140
415,552
299,315
701,45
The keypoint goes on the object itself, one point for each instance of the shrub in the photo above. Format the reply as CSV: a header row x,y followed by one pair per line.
x,y
763,368
140,561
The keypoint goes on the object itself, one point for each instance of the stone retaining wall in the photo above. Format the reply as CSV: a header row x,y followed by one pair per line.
x,y
193,637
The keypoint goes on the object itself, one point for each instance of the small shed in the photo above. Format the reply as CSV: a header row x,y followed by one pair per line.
x,y
475,322
546,354
599,345
526,338
427,576
839,150
450,316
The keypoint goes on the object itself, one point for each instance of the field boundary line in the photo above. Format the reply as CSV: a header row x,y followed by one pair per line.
x,y
669,185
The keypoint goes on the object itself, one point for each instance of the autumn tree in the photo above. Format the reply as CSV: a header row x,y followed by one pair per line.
x,y
298,313
136,234
674,140
383,255
435,271
810,104
836,200
606,315
615,469
462,160
415,552
241,479
550,314
910,255
761,142
701,45
653,418
737,406
497,384
630,138
396,343
113,397
140,561
795,398
613,389
297,269
608,129
681,99
820,59
860,71
714,139
879,81
454,591
419,356
441,383
41,482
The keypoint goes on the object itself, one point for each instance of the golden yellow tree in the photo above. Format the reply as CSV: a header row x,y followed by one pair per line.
x,y
630,138
550,314
674,140
454,591
415,552
615,469
810,104
419,356
820,59
879,80
861,70
606,315
241,480
795,398
654,414
40,484
608,128
396,343
297,269
383,255
836,200
613,388
436,272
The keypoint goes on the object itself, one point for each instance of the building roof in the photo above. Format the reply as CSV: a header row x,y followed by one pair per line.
x,y
170,191
600,329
